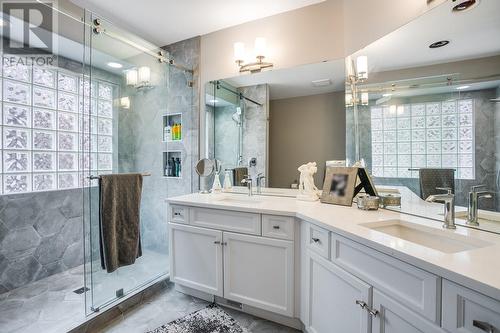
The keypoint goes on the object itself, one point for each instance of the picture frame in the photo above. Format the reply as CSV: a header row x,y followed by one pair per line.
x,y
366,183
339,185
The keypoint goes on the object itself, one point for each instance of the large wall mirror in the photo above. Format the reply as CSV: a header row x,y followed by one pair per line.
x,y
426,112
268,124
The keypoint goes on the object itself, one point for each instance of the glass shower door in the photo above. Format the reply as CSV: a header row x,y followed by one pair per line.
x,y
124,99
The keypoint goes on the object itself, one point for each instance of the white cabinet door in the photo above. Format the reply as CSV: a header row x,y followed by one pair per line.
x,y
332,295
392,317
196,258
259,272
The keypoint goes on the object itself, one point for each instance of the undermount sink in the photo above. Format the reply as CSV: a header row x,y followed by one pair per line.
x,y
440,240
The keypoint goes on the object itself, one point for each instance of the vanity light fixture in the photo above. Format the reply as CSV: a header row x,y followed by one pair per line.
x,y
365,98
259,50
139,78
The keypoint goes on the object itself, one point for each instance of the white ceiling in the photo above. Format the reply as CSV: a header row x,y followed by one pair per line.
x,y
472,34
167,21
296,81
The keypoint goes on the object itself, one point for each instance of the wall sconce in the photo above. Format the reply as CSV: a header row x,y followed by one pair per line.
x,y
350,99
125,102
358,73
259,50
139,78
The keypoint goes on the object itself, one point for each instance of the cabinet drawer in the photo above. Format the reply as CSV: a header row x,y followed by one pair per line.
x,y
465,310
248,223
318,240
414,288
278,226
178,214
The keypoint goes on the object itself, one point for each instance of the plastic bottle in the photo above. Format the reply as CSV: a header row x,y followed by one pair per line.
x,y
227,180
174,169
167,133
178,166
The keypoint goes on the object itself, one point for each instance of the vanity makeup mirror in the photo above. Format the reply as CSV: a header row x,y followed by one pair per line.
x,y
266,125
431,100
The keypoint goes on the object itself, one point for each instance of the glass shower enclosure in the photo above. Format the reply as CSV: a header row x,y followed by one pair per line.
x,y
125,89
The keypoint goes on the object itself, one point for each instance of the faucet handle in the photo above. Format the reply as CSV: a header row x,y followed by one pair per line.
x,y
474,188
448,189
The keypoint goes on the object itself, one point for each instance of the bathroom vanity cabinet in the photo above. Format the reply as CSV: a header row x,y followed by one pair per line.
x,y
232,256
325,281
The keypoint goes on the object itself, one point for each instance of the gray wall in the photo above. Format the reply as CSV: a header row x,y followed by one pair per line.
x,y
305,129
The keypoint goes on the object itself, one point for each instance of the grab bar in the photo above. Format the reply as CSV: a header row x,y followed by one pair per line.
x,y
144,174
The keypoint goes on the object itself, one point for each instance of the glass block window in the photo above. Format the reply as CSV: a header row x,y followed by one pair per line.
x,y
50,134
423,135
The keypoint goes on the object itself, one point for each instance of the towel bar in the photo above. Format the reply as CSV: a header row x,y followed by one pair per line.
x,y
144,174
417,169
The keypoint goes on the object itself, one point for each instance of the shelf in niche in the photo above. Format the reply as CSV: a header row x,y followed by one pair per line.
x,y
171,119
167,156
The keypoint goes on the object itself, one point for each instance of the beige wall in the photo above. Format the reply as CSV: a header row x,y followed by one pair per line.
x,y
305,129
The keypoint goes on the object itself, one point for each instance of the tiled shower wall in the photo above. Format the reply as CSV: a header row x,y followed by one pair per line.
x,y
40,234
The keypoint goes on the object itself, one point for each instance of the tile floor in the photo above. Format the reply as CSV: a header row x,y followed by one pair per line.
x,y
51,306
169,304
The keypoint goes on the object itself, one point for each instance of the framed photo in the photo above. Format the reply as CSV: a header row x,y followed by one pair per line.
x,y
339,185
366,183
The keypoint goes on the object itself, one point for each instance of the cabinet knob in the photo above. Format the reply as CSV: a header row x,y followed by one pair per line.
x,y
315,240
216,242
484,326
177,214
276,226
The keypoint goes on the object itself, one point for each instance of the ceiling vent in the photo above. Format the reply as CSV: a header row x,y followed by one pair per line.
x,y
321,83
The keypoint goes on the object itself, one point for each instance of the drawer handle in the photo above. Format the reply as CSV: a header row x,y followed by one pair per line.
x,y
361,304
372,312
483,326
276,226
224,243
216,242
316,240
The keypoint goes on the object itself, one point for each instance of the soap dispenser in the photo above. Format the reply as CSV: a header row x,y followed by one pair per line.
x,y
228,174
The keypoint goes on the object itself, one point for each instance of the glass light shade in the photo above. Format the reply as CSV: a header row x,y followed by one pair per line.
x,y
392,109
364,98
239,51
260,47
144,74
349,67
125,102
131,77
362,67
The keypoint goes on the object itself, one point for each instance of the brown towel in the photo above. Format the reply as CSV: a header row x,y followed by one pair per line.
x,y
119,209
430,179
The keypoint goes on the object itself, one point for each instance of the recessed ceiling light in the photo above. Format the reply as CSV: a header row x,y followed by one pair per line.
x,y
438,44
464,5
386,95
462,87
114,64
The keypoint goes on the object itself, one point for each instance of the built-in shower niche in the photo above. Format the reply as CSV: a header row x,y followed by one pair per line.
x,y
172,127
172,164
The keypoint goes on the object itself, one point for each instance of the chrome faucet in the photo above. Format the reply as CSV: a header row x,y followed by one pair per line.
x,y
248,182
449,206
474,196
260,178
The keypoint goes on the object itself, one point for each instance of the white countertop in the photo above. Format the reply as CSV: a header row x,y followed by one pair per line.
x,y
478,269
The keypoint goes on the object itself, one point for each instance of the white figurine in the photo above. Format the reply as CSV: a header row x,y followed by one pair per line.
x,y
307,190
